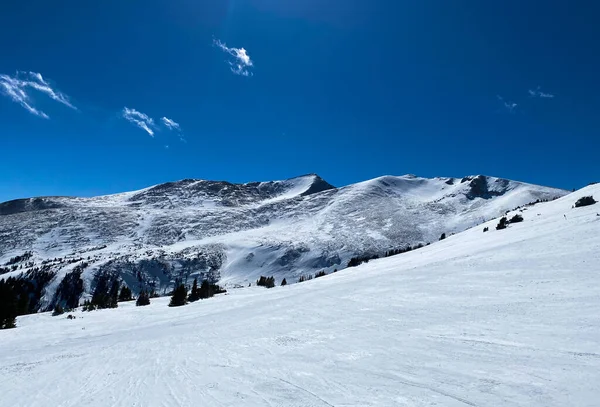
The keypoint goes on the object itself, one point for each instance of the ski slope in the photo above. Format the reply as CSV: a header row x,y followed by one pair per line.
x,y
503,318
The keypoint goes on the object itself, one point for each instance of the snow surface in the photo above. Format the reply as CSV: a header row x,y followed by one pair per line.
x,y
503,318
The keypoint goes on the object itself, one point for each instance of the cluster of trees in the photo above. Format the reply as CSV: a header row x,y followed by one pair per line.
x,y
70,289
356,261
307,277
394,252
504,221
268,282
106,292
516,219
585,201
207,289
18,259
304,278
21,295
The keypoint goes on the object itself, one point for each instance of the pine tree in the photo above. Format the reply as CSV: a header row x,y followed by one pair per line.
x,y
205,290
195,293
502,224
179,296
125,294
443,236
283,282
113,295
58,310
143,299
8,305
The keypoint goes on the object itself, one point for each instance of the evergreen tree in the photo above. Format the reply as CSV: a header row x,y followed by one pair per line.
x,y
58,310
179,296
113,294
502,224
195,293
443,236
283,282
8,306
205,290
143,299
125,294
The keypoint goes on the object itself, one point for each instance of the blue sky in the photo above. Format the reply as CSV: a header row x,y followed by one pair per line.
x,y
271,89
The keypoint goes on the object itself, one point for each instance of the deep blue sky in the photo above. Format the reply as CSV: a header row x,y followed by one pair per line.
x,y
348,89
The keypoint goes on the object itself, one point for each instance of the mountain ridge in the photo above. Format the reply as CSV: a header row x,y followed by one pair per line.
x,y
233,233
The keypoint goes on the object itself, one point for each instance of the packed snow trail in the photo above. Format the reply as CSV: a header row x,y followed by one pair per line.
x,y
503,318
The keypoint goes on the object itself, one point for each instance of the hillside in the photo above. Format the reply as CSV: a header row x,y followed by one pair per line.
x,y
233,233
504,318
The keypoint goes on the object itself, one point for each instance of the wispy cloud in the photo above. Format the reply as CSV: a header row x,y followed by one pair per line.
x,y
16,87
171,124
241,62
539,94
143,121
509,105
174,126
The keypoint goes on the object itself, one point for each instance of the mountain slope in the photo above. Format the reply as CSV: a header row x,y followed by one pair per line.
x,y
235,233
503,318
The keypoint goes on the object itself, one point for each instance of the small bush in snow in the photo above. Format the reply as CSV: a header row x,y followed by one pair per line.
x,y
283,282
443,236
585,201
485,229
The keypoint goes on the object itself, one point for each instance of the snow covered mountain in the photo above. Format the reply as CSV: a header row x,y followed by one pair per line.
x,y
504,318
236,232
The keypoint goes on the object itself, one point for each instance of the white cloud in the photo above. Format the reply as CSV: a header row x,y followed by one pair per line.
x,y
15,87
171,124
510,106
140,119
241,60
539,94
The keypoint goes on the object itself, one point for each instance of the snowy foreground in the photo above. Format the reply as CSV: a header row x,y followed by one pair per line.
x,y
504,318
